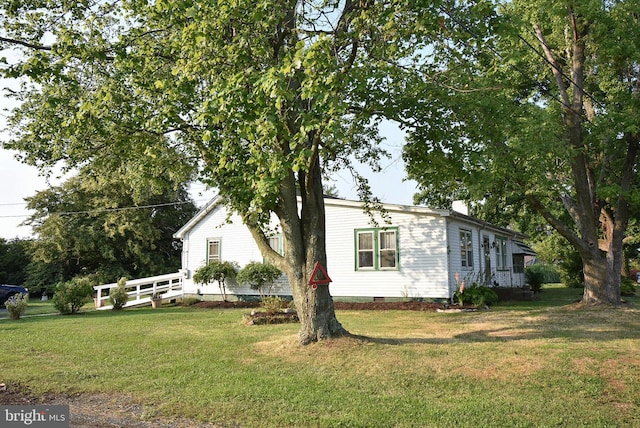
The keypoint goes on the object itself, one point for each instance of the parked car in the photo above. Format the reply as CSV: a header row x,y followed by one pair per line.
x,y
7,291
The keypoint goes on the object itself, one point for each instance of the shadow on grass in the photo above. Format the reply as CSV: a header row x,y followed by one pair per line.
x,y
573,323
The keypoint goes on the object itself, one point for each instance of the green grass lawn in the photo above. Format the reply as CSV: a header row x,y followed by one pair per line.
x,y
527,364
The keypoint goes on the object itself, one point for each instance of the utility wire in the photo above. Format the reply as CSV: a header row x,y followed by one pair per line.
x,y
562,73
105,210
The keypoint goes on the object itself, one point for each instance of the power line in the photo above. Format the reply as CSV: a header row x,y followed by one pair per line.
x,y
106,210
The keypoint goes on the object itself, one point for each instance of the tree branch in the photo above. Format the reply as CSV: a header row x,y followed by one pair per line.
x,y
555,66
25,44
558,225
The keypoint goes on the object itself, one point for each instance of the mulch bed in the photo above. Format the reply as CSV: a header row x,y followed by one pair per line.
x,y
353,306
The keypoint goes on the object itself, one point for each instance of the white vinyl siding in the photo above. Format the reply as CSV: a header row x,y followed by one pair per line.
x,y
419,248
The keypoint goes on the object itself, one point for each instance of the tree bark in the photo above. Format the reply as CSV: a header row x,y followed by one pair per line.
x,y
303,229
315,306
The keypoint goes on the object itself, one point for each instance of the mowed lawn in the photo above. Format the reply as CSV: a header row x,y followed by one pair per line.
x,y
530,364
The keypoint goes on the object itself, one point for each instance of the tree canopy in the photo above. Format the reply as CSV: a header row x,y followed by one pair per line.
x,y
15,255
103,225
260,97
536,105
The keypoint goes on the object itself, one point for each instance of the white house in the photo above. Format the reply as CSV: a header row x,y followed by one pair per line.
x,y
416,254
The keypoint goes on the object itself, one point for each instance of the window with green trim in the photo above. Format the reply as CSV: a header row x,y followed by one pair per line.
x,y
376,249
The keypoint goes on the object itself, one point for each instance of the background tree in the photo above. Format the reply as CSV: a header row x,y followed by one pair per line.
x,y
102,225
263,97
539,105
15,255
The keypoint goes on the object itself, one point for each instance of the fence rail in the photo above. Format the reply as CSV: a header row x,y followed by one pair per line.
x,y
141,290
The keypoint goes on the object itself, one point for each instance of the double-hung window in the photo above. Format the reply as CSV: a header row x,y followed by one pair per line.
x,y
466,249
377,249
501,253
275,242
213,249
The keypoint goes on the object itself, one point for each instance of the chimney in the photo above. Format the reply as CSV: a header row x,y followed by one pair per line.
x,y
461,207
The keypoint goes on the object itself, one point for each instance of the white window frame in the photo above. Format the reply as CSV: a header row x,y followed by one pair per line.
x,y
211,257
501,253
276,243
371,250
466,249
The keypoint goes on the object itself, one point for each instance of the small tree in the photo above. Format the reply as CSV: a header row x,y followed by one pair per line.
x,y
216,271
118,295
259,276
72,295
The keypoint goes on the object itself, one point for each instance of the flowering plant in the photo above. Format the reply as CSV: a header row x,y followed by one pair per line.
x,y
17,305
459,294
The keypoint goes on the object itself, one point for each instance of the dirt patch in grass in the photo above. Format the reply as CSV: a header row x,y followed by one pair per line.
x,y
99,410
262,318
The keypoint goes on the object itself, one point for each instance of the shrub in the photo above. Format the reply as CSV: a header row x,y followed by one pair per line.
x,y
627,287
16,305
72,295
476,295
259,276
534,276
217,271
273,304
118,295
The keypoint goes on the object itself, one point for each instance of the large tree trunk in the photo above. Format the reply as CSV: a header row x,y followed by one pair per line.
x,y
315,306
602,258
303,230
315,309
601,280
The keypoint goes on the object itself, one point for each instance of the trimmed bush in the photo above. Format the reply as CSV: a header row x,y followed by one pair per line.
x,y
534,276
273,304
259,276
118,295
72,295
216,271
